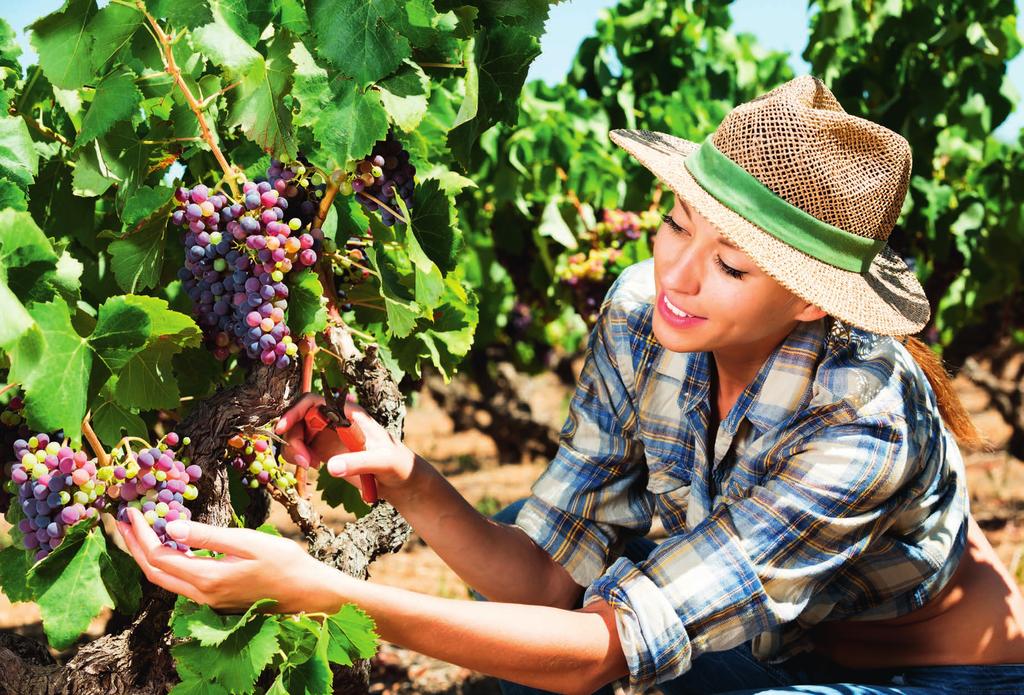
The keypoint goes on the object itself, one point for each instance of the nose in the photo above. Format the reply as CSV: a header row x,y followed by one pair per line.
x,y
683,270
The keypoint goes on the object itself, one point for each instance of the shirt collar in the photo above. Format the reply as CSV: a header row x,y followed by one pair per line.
x,y
782,384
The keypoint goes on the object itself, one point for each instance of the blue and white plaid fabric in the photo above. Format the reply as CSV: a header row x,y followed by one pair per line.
x,y
833,491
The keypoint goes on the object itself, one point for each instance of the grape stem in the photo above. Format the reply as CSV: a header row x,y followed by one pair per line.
x,y
309,342
125,440
441,65
7,388
398,216
175,72
94,442
41,129
209,100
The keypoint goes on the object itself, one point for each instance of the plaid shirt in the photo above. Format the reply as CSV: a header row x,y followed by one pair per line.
x,y
833,491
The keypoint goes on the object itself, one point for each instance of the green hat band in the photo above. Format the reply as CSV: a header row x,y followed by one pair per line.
x,y
742,193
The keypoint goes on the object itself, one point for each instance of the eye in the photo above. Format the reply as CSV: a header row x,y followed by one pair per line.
x,y
728,270
667,219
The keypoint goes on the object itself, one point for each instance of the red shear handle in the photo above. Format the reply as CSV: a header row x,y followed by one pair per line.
x,y
353,439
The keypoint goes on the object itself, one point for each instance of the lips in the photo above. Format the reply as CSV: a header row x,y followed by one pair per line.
x,y
678,310
676,317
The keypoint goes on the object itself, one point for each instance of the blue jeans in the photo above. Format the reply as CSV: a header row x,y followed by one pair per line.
x,y
737,672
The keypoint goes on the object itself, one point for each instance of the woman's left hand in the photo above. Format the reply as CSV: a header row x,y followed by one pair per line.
x,y
255,566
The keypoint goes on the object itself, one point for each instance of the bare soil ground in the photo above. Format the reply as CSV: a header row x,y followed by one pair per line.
x,y
478,470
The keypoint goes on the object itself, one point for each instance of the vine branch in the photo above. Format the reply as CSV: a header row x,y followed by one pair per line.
x,y
174,71
94,442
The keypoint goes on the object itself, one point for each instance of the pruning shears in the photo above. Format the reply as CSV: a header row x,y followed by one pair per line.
x,y
331,415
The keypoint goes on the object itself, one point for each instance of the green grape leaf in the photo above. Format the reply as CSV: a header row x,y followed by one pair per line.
x,y
164,323
446,339
338,492
238,660
22,243
502,57
64,44
350,634
405,95
553,225
14,565
202,623
293,16
17,321
349,123
52,363
399,302
138,256
184,13
434,225
196,685
123,579
9,48
368,44
112,29
12,196
67,276
120,333
235,14
311,677
307,314
81,566
116,99
259,107
19,160
111,421
147,380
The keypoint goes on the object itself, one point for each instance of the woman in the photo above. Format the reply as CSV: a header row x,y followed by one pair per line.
x,y
746,388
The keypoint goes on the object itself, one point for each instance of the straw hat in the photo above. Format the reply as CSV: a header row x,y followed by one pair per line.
x,y
809,192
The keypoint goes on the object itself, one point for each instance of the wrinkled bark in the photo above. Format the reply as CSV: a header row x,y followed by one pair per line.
x,y
137,660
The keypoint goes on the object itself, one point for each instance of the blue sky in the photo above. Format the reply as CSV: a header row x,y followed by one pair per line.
x,y
779,24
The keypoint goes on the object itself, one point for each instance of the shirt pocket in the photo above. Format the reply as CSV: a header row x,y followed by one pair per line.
x,y
668,472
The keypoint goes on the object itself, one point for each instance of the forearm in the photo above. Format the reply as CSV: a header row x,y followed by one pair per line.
x,y
499,561
543,647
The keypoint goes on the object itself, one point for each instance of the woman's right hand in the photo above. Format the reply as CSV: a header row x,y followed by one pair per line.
x,y
387,459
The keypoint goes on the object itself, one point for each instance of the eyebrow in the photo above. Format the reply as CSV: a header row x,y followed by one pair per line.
x,y
686,208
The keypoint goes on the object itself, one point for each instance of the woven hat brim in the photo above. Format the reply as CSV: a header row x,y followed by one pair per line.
x,y
887,300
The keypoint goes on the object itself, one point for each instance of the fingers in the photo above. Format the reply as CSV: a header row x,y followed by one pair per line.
x,y
296,450
237,542
297,412
369,461
157,576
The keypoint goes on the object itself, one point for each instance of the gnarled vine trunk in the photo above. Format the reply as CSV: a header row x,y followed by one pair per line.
x,y
137,660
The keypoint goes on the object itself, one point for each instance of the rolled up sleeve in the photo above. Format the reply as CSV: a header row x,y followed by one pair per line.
x,y
758,558
591,493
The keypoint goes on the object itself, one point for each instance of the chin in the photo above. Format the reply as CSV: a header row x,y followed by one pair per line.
x,y
671,339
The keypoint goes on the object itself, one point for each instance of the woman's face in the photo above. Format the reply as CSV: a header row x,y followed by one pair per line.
x,y
711,296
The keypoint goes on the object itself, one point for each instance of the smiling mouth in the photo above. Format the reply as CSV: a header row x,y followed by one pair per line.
x,y
677,311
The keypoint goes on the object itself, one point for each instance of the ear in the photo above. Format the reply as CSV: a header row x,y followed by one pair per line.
x,y
810,313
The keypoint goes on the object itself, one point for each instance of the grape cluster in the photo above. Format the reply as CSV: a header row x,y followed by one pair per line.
x,y
588,274
236,260
255,457
616,225
157,482
385,174
57,487
292,181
